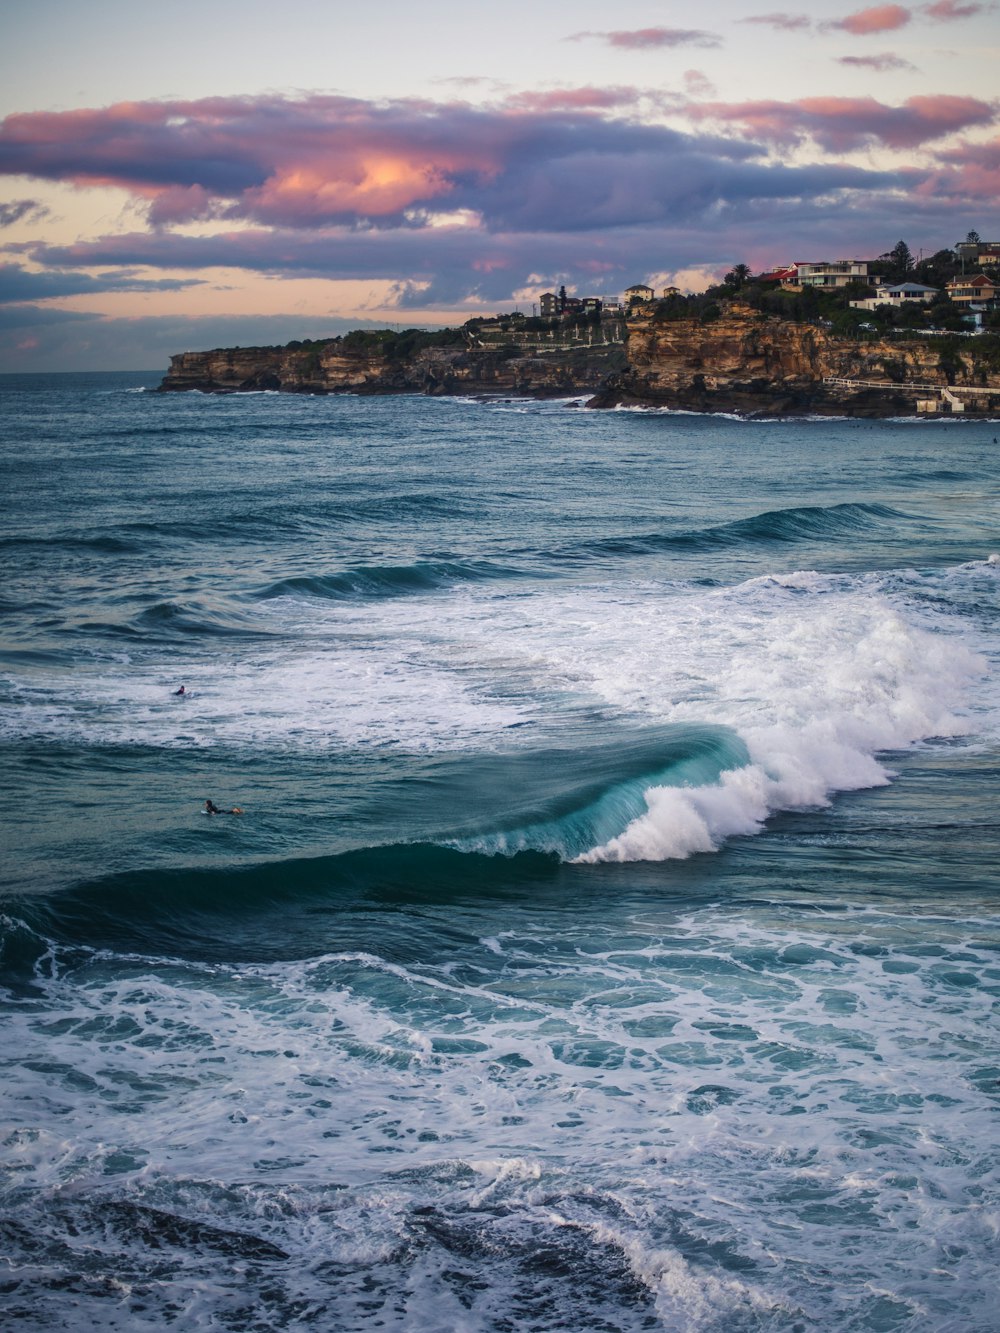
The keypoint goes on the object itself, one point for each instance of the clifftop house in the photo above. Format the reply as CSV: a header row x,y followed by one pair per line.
x,y
898,294
826,273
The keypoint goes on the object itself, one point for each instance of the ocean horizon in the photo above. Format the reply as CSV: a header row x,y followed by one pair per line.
x,y
609,936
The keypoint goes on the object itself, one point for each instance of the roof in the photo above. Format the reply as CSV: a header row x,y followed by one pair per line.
x,y
908,287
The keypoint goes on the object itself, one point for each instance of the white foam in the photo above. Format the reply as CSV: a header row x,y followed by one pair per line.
x,y
819,675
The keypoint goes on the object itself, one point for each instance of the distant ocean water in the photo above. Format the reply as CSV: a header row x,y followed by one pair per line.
x,y
610,940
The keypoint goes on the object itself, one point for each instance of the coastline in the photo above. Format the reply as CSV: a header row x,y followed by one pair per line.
x,y
741,362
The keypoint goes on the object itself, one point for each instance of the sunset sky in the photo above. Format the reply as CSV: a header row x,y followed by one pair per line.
x,y
190,175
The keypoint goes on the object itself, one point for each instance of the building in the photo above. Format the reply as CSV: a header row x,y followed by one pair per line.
x,y
638,294
787,274
971,292
827,273
670,291
552,305
900,293
975,254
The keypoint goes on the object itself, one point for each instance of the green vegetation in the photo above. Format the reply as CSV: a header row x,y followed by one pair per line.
x,y
831,307
400,346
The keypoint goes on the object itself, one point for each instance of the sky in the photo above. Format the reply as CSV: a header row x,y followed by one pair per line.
x,y
230,172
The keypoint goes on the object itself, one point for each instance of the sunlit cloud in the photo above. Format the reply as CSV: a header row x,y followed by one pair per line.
x,y
841,124
879,18
947,11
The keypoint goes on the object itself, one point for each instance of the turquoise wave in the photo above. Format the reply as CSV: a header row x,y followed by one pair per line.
x,y
536,811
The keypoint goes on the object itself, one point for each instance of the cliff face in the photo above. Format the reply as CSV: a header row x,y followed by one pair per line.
x,y
746,362
741,362
334,368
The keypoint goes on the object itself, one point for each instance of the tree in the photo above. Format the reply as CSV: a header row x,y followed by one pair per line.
x,y
898,259
738,276
973,238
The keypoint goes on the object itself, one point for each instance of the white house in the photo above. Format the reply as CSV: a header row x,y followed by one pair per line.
x,y
898,294
827,273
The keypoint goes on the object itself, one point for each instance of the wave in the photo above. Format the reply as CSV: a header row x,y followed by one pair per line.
x,y
774,527
71,542
382,581
196,619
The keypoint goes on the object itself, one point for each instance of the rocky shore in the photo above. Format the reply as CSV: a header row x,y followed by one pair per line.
x,y
742,361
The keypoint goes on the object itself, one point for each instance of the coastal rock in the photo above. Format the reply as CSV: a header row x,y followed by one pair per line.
x,y
743,361
749,362
332,367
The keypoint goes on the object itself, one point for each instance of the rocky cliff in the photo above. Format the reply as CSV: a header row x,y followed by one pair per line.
x,y
338,366
744,361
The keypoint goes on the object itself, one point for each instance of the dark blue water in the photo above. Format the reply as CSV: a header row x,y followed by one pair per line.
x,y
609,940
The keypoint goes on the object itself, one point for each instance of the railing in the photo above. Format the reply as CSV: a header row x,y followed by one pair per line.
x,y
909,388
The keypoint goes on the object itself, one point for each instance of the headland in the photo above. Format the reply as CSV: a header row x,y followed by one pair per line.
x,y
738,359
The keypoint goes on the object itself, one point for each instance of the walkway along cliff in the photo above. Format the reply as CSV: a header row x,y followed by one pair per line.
x,y
742,361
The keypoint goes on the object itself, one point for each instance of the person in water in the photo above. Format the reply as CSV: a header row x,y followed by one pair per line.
x,y
212,809
182,690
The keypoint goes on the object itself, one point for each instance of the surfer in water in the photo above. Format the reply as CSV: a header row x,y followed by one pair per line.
x,y
212,809
182,690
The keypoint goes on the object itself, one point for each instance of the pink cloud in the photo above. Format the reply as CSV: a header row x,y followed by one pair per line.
x,y
880,18
969,171
946,11
573,99
651,39
881,63
783,22
840,124
698,84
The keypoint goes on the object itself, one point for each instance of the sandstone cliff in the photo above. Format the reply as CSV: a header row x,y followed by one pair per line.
x,y
334,367
743,362
749,362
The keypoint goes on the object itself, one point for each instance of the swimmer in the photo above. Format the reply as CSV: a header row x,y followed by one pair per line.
x,y
182,690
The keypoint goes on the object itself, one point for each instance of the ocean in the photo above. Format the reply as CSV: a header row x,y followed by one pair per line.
x,y
609,940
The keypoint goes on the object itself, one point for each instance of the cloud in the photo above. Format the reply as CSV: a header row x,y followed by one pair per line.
x,y
881,63
33,317
33,338
947,11
653,39
841,124
574,99
19,209
459,206
880,18
969,173
20,284
554,161
783,22
698,84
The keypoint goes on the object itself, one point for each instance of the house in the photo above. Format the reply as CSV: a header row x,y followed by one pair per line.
x,y
638,294
898,293
828,274
970,292
668,292
786,274
977,253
